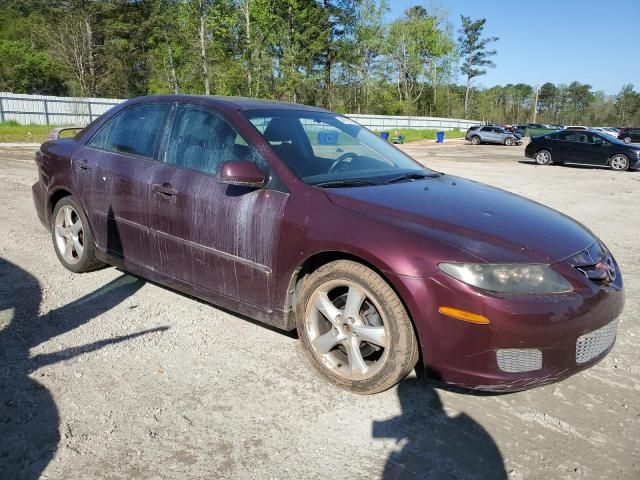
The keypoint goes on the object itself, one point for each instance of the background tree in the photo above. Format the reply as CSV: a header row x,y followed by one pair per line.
x,y
343,54
414,43
474,52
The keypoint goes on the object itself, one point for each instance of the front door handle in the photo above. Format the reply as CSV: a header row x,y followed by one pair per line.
x,y
164,190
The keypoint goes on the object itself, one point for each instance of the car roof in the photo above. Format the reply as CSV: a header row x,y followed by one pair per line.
x,y
235,103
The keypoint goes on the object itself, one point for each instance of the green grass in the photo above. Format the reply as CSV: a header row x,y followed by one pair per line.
x,y
411,135
12,132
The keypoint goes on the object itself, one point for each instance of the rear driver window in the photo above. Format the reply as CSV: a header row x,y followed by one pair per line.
x,y
134,131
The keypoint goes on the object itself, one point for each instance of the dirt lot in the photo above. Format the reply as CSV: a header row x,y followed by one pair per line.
x,y
105,376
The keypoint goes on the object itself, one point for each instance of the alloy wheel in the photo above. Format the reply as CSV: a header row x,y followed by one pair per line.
x,y
627,139
619,162
347,330
69,234
543,157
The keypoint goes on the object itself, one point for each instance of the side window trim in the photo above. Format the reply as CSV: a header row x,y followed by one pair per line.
x,y
109,123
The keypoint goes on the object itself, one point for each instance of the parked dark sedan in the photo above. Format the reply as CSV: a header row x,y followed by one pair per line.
x,y
629,135
583,147
377,261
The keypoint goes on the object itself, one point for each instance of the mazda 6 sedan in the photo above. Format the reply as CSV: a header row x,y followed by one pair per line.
x,y
302,219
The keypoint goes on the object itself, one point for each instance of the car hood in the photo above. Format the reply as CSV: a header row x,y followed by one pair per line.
x,y
493,225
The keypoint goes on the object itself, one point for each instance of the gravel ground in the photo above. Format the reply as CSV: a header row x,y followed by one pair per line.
x,y
106,376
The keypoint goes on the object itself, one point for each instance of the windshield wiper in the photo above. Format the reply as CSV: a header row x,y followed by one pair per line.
x,y
344,183
412,176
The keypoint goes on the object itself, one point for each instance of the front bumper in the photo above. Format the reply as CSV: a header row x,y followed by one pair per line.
x,y
476,356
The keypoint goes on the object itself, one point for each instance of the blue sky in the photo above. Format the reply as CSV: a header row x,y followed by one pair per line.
x,y
592,41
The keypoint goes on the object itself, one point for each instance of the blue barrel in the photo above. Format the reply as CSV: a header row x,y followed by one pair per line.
x,y
384,135
439,137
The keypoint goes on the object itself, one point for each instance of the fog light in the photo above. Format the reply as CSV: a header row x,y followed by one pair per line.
x,y
518,360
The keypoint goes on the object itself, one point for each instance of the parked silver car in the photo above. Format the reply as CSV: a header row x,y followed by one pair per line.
x,y
491,134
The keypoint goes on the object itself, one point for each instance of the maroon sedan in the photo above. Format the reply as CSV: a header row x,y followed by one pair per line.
x,y
305,220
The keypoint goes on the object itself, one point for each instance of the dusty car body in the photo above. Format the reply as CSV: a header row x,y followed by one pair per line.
x,y
372,257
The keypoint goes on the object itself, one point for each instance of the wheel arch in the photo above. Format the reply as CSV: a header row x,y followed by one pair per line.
x,y
55,197
63,192
319,259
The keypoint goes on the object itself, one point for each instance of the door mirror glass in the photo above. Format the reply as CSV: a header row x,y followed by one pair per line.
x,y
241,172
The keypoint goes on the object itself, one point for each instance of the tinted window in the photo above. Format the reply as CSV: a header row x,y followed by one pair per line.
x,y
201,140
486,129
569,136
134,131
593,138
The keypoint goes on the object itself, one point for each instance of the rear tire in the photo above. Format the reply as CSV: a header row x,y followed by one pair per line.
x,y
475,140
543,157
72,238
354,328
627,140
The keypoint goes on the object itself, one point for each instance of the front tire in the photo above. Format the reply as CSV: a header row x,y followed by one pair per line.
x,y
627,140
354,328
543,157
619,162
509,142
72,238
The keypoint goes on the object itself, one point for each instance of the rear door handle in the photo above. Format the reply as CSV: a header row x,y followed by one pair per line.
x,y
164,190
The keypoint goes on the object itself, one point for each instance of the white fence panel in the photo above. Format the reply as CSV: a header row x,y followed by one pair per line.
x,y
61,111
390,122
50,110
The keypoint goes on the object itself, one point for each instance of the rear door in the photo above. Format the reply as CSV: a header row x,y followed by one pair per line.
x,y
218,237
113,170
566,148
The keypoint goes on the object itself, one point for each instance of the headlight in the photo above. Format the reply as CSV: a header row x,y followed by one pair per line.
x,y
508,278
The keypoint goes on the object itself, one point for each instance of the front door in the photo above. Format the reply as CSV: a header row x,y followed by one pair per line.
x,y
222,238
113,171
590,149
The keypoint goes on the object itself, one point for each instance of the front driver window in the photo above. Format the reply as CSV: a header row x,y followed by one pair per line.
x,y
201,140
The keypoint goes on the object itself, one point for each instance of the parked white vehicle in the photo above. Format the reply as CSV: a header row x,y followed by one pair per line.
x,y
606,131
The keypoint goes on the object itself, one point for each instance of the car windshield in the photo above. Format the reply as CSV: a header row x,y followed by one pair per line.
x,y
326,149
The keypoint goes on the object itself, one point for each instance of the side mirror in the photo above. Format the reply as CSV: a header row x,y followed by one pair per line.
x,y
241,172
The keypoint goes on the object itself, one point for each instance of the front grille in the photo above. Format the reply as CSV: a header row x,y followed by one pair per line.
x,y
515,360
592,344
596,263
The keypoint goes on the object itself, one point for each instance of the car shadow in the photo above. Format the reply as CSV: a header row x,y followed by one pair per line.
x,y
434,444
29,419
